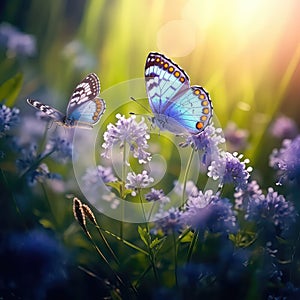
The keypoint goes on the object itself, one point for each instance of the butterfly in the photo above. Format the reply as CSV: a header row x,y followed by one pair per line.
x,y
84,108
177,106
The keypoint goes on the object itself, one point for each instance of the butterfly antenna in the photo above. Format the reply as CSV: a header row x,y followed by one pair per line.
x,y
139,103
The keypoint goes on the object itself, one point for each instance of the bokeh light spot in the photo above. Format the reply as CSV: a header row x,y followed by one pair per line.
x,y
176,38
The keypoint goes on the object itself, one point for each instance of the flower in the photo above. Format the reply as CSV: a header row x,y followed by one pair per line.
x,y
236,138
128,131
30,166
94,174
62,148
16,42
9,117
209,212
207,141
244,196
168,221
284,128
138,181
157,195
287,159
230,169
271,209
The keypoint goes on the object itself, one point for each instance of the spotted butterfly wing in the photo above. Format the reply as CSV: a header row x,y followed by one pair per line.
x,y
177,106
84,108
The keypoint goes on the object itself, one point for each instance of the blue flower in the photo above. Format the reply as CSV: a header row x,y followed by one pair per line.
x,y
230,169
284,128
62,149
168,221
31,264
208,141
271,209
16,42
8,118
244,196
209,212
130,132
157,195
30,165
287,160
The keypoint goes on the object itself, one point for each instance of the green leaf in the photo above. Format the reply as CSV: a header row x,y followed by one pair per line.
x,y
46,223
119,187
157,243
144,235
10,89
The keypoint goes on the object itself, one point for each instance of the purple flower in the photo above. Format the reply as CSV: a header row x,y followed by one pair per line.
x,y
138,181
230,169
9,117
208,141
209,212
99,173
168,221
130,132
17,43
236,138
287,159
244,196
284,128
271,209
157,195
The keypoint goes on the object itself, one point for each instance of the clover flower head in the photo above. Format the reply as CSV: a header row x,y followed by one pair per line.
x,y
128,131
230,169
138,181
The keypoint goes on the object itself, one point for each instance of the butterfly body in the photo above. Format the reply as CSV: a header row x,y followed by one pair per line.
x,y
177,106
84,108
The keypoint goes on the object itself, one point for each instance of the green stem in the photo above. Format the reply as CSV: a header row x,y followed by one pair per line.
x,y
124,172
186,175
192,245
175,257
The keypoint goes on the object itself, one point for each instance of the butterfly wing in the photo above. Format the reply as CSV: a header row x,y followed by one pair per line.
x,y
49,111
88,113
87,90
191,109
164,79
176,105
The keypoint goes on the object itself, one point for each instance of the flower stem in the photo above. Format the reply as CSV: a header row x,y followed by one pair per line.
x,y
187,170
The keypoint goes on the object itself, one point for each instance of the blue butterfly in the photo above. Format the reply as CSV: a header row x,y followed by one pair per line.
x,y
84,108
177,106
